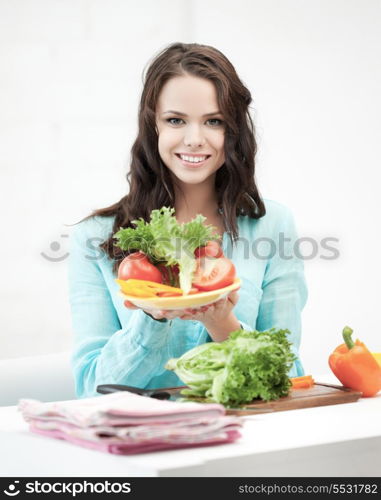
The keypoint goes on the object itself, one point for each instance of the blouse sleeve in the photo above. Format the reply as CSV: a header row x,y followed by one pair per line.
x,y
284,288
103,351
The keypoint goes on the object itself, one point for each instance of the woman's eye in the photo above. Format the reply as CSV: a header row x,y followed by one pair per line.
x,y
215,122
174,121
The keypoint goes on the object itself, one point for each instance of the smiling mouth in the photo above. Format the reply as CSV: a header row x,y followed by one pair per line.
x,y
192,159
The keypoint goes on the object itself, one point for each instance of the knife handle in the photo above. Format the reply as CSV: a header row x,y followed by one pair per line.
x,y
110,388
149,393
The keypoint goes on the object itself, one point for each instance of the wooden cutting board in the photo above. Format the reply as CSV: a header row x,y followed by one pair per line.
x,y
318,395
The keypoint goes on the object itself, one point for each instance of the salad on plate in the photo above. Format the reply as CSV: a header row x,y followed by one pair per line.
x,y
173,265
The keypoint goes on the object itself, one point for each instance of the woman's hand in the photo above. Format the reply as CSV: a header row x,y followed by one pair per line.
x,y
218,318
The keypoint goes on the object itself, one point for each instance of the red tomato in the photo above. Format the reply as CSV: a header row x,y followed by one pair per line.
x,y
137,266
212,274
211,249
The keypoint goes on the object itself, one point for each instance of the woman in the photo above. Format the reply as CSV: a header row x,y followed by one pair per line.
x,y
195,151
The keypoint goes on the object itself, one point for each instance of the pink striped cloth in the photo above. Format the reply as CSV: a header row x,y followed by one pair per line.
x,y
125,423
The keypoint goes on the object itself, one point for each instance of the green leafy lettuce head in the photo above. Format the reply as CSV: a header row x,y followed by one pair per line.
x,y
246,366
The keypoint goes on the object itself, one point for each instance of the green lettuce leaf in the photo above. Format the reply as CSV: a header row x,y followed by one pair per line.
x,y
246,366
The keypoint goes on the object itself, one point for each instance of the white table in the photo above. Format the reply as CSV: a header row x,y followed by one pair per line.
x,y
341,440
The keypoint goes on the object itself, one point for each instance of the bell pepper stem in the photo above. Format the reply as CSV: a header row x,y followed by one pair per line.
x,y
347,336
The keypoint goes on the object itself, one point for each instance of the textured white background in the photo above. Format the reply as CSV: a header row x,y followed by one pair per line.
x,y
70,80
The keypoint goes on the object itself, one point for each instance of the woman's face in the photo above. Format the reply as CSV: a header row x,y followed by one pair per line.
x,y
190,128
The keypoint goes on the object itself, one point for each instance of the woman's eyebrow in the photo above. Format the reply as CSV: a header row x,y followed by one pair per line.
x,y
171,111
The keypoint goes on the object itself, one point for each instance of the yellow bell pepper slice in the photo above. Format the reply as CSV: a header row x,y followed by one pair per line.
x,y
153,285
145,289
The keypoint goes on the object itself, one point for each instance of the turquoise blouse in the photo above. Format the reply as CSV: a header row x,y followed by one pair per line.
x,y
115,345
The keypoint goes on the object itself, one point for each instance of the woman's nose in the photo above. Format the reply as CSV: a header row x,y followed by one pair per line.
x,y
194,137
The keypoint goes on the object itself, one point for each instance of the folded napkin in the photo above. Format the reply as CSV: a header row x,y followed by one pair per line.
x,y
126,423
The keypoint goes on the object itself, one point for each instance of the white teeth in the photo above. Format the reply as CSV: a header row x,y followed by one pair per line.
x,y
193,159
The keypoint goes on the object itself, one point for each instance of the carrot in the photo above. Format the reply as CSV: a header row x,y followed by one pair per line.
x,y
168,294
304,382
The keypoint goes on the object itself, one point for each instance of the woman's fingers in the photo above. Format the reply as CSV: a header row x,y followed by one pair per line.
x,y
129,305
233,297
188,313
156,314
183,313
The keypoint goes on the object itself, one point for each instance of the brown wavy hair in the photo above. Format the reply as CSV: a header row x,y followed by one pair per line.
x,y
149,179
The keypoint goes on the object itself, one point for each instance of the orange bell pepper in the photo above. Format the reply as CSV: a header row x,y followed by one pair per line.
x,y
355,367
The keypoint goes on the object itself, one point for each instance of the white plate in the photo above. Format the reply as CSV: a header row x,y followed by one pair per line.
x,y
183,302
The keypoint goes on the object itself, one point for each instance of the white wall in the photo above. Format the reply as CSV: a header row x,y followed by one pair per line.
x,y
70,79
